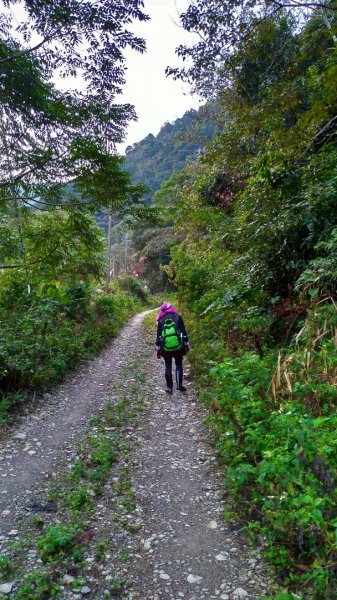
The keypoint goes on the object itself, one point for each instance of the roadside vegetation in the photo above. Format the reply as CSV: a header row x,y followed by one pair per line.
x,y
273,417
49,332
57,171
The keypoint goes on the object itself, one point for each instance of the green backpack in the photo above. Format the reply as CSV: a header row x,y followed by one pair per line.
x,y
171,338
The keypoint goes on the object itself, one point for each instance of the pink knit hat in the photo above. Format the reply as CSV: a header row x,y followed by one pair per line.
x,y
165,308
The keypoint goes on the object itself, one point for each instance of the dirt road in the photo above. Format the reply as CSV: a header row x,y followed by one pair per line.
x,y
171,541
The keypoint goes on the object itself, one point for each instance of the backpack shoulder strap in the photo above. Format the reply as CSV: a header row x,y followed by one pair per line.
x,y
168,317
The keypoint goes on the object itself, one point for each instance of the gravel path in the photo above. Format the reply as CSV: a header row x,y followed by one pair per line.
x,y
183,548
42,438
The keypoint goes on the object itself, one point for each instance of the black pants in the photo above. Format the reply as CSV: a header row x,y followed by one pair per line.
x,y
168,369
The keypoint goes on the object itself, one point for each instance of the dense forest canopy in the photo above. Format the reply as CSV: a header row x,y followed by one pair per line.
x,y
51,138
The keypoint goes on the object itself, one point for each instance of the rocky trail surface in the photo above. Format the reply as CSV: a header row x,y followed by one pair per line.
x,y
152,528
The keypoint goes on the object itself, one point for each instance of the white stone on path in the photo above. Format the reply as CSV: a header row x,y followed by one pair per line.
x,y
85,590
220,556
6,588
212,525
240,593
148,543
164,576
194,578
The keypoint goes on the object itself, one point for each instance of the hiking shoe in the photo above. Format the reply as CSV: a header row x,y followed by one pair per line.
x,y
181,388
169,390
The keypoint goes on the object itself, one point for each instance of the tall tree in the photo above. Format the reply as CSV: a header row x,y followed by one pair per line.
x,y
57,147
221,27
60,135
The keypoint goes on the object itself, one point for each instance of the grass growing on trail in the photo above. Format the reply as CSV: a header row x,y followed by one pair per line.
x,y
37,586
57,541
100,475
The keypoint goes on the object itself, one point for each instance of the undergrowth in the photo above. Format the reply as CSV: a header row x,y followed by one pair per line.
x,y
273,414
45,334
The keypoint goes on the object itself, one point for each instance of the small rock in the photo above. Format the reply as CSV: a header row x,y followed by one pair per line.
x,y
220,556
20,436
212,525
164,576
68,579
85,590
6,588
252,562
240,593
224,597
194,578
13,532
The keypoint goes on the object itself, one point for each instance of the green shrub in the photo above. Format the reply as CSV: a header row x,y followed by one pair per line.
x,y
5,566
274,419
37,586
58,540
105,305
52,330
134,286
7,402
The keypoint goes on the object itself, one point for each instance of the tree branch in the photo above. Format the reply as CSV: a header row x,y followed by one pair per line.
x,y
35,262
303,5
28,50
18,177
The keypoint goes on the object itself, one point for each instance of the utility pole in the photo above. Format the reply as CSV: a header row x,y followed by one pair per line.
x,y
126,257
108,273
12,187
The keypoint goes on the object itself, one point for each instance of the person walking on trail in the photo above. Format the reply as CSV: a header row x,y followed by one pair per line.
x,y
171,342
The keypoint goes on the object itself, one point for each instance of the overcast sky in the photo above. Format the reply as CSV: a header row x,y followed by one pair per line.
x,y
157,98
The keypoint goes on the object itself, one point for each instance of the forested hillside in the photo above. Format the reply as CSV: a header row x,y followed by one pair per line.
x,y
151,162
254,261
155,158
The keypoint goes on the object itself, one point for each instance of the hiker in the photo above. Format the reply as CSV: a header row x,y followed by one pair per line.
x,y
171,342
